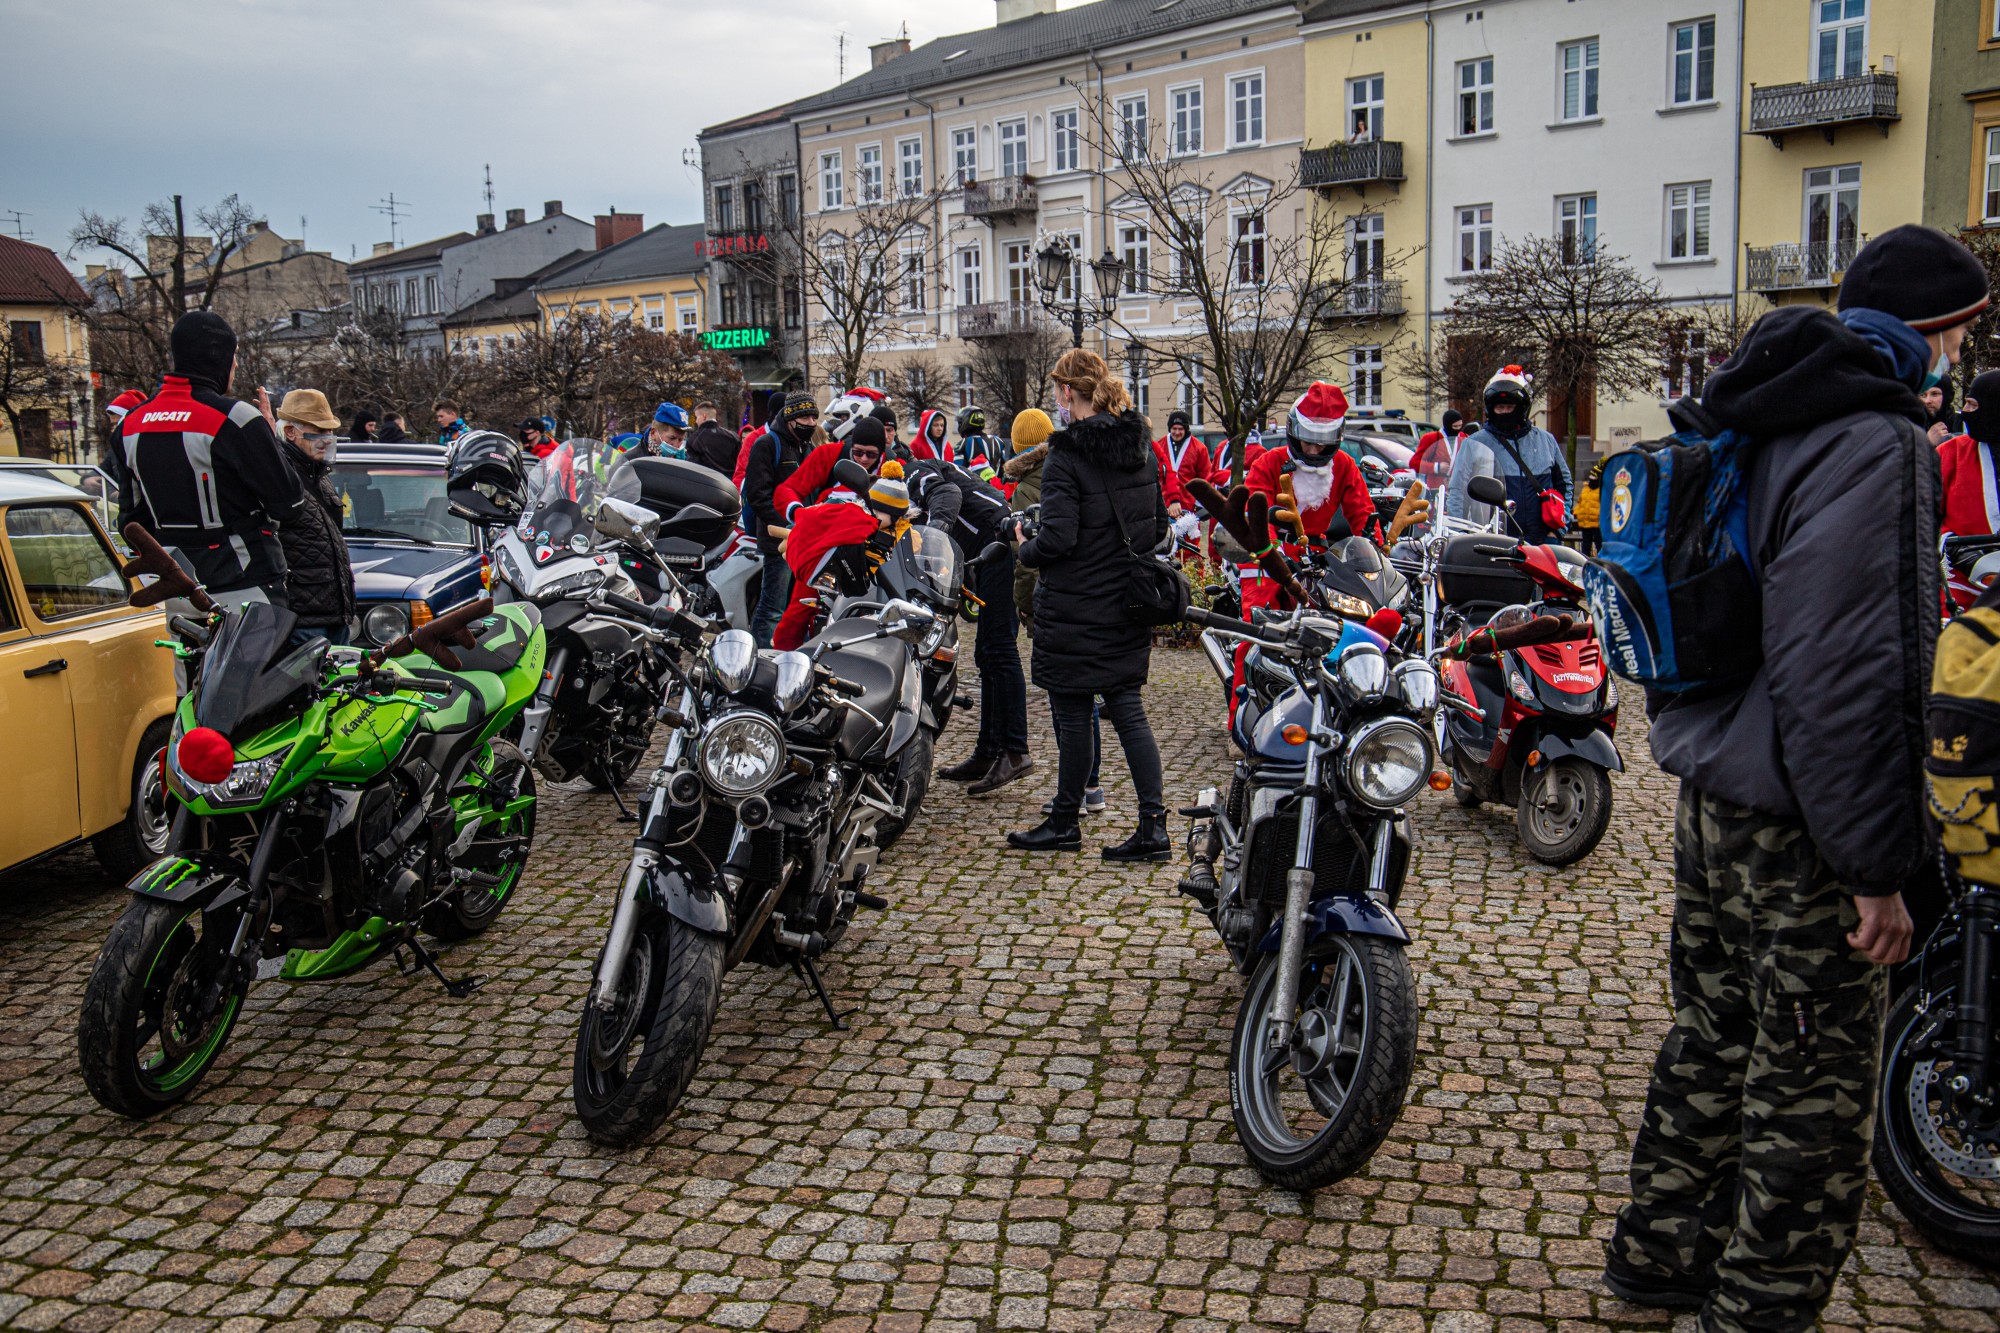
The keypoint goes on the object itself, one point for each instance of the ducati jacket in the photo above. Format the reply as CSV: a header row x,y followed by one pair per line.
x,y
206,476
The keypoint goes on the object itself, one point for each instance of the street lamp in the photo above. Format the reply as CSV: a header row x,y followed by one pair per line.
x,y
1056,261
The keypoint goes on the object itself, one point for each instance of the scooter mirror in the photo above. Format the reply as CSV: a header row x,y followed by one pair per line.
x,y
1987,570
1487,490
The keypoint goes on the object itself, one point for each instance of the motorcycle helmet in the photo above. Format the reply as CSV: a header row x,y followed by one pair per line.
x,y
971,421
1312,428
483,475
841,414
1509,384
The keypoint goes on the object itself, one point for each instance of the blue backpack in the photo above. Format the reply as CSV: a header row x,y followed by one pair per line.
x,y
1673,588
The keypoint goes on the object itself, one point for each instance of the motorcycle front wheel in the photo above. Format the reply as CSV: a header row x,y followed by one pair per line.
x,y
913,783
1315,1110
146,1034
635,1060
1565,808
1937,1153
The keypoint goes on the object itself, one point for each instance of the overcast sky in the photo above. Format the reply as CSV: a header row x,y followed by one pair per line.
x,y
321,108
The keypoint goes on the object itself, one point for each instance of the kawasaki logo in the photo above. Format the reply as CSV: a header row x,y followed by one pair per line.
x,y
360,720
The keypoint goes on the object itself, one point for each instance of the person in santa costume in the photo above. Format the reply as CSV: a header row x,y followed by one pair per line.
x,y
1971,490
1223,459
1183,458
838,546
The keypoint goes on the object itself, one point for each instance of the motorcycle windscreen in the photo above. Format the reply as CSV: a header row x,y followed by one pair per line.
x,y
1354,567
248,673
935,558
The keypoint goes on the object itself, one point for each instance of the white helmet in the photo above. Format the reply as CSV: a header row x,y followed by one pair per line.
x,y
843,412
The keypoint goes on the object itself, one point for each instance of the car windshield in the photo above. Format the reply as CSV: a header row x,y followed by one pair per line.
x,y
397,500
247,674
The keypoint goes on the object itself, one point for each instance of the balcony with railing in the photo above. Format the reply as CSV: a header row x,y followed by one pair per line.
x,y
1825,105
995,319
1356,164
1363,299
1803,267
1002,197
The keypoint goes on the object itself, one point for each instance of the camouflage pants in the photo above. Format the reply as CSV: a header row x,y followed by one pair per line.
x,y
1752,1158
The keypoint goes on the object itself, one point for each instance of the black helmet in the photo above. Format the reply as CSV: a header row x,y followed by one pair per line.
x,y
971,421
1510,383
483,475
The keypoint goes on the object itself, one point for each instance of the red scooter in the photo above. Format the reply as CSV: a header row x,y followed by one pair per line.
x,y
1532,727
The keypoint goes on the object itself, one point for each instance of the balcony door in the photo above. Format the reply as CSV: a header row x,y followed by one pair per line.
x,y
1364,262
1840,38
1365,103
1833,219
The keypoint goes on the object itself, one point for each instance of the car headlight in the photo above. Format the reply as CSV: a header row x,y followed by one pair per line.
x,y
733,656
1363,670
385,622
1387,762
740,754
579,584
247,781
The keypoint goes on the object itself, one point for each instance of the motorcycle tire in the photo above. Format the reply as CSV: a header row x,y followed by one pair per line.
x,y
634,1063
141,836
1920,1156
1380,995
470,909
140,1043
913,783
1567,826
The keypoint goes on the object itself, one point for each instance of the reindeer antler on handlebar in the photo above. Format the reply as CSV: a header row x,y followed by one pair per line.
x,y
1484,642
436,639
1246,517
169,578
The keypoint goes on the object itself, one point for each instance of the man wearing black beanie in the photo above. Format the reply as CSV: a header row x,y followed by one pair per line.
x,y
1801,814
204,473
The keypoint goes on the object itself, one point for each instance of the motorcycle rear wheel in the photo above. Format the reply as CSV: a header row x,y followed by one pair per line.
x,y
1315,1112
1564,809
1943,1176
634,1062
470,909
142,1042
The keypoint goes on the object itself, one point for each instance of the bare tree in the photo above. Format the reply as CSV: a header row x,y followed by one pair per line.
x,y
919,384
1011,373
153,275
1982,340
1582,319
648,368
32,381
1695,341
596,375
1457,366
373,359
868,271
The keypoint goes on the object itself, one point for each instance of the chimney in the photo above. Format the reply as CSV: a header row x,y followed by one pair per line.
x,y
483,225
882,53
384,247
614,227
516,217
1010,10
552,208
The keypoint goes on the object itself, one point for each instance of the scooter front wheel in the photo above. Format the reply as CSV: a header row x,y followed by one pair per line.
x,y
1565,808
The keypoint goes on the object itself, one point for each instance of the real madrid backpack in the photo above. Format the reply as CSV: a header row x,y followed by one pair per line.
x,y
1673,589
1964,756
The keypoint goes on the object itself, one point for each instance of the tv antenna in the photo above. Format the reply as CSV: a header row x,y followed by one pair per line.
x,y
302,231
489,187
841,41
13,217
395,212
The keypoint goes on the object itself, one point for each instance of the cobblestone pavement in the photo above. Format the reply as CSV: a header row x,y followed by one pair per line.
x,y
1027,1127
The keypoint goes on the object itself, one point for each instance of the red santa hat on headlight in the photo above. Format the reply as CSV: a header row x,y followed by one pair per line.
x,y
1317,415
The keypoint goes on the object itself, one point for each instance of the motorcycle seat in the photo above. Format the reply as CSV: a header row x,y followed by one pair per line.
x,y
472,698
501,639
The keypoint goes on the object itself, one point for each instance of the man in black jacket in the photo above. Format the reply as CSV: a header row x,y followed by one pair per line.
x,y
319,580
711,445
1801,808
774,456
204,472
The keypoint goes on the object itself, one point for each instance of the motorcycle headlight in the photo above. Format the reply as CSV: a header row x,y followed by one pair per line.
x,y
247,781
795,679
1363,671
384,622
740,754
1416,684
1387,762
580,584
503,561
733,658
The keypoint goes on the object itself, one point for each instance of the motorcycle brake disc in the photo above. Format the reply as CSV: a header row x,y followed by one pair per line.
x,y
1979,1157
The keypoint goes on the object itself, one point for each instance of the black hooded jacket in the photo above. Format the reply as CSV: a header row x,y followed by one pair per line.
x,y
774,456
1843,529
714,447
1083,641
319,581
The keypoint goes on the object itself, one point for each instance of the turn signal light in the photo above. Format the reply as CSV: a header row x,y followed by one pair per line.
x,y
1440,780
420,614
206,755
946,655
1534,759
1295,734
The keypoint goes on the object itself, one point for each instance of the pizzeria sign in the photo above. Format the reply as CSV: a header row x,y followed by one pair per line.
x,y
737,340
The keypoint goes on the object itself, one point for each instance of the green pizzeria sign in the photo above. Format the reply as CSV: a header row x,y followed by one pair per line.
x,y
737,340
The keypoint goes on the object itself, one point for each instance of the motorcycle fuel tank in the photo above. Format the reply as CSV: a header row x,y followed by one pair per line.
x,y
1267,738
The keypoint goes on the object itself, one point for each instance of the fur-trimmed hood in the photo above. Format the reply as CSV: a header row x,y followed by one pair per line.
x,y
1119,442
1021,464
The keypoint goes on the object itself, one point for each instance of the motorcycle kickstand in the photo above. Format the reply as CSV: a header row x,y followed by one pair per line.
x,y
810,975
427,961
625,815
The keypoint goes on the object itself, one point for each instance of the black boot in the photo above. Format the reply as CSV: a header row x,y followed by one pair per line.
x,y
1150,843
1659,1292
1054,834
1007,768
969,769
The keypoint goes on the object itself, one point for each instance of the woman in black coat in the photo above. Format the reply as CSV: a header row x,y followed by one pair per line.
x,y
1101,475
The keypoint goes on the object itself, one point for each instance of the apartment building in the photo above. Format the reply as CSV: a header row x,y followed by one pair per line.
x,y
750,177
1963,118
49,348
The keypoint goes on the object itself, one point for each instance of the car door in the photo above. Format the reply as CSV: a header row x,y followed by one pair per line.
x,y
38,779
119,680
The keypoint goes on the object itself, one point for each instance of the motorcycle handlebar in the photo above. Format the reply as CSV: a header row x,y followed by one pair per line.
x,y
846,687
663,618
1241,628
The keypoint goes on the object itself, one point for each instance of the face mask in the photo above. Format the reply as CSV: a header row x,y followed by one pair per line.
x,y
1063,417
1935,375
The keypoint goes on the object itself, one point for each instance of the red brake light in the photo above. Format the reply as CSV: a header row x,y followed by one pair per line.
x,y
206,755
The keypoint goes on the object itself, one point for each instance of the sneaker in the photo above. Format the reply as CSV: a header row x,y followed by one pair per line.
x,y
1093,802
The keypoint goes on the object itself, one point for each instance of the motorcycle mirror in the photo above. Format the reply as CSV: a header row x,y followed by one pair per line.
x,y
906,620
994,551
1987,570
1487,490
627,522
853,476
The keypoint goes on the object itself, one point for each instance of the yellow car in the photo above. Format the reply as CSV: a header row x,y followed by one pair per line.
x,y
86,698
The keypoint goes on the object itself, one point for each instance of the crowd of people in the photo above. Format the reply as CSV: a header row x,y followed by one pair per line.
x,y
1800,817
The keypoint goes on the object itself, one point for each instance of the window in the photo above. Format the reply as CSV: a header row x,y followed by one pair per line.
x,y
788,200
877,379
1475,238
1833,217
961,384
732,312
753,205
1133,134
971,280
410,301
656,314
1475,96
868,173
1139,379
909,167
65,565
880,285
1684,364
1066,288
27,338
1246,109
1364,109
1185,139
390,290
1365,389
1840,38
1579,80
914,285
431,294
492,349
689,315
1135,247
794,303
1687,221
836,383
1249,249
917,381
1187,392
621,308
1013,147
1990,211
725,208
1020,262
1693,45
1576,224
1191,259
763,303
1064,141
829,180
1364,249
37,438
965,155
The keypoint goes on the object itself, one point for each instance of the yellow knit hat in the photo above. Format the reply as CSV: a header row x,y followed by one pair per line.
x,y
1031,427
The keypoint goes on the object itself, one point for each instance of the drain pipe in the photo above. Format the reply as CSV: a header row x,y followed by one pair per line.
x,y
1430,192
937,217
1736,255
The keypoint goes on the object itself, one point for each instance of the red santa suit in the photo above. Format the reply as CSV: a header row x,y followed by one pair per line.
x,y
1971,495
1188,461
819,535
1224,458
812,482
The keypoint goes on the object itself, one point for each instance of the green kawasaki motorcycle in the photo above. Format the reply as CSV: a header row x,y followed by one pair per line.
x,y
329,806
